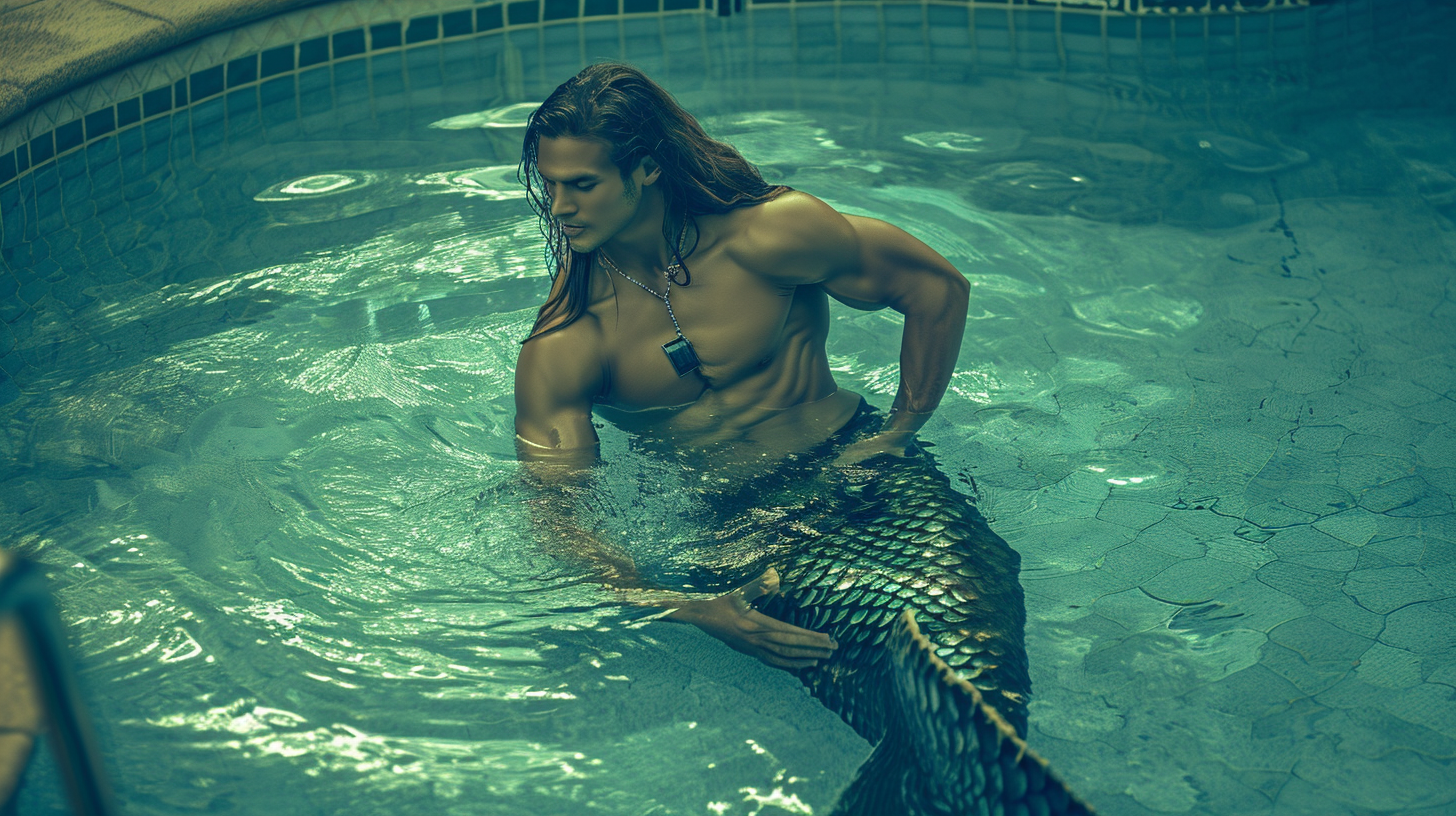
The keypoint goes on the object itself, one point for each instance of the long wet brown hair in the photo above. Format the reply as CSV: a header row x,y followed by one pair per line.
x,y
618,105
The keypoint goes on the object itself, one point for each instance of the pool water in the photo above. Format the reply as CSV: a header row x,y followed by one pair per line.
x,y
1206,391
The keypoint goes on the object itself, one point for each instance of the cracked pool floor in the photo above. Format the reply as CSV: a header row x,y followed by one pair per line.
x,y
1251,606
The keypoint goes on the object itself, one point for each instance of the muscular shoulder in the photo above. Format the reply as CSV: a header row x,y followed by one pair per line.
x,y
562,367
795,238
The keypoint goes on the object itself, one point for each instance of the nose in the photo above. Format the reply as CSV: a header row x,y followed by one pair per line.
x,y
560,205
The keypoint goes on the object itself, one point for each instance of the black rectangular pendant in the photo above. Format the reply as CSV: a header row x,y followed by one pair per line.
x,y
680,353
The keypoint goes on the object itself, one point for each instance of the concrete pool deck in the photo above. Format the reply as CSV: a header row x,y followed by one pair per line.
x,y
50,47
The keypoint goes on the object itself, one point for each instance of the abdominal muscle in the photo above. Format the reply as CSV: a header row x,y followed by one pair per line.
x,y
789,406
713,427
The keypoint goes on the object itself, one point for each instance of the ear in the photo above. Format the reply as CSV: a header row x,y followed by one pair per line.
x,y
651,170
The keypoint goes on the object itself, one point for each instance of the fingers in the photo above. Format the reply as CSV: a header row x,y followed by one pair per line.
x,y
785,663
793,657
792,641
893,444
802,652
730,619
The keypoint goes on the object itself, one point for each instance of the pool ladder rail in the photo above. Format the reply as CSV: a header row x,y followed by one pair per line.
x,y
38,693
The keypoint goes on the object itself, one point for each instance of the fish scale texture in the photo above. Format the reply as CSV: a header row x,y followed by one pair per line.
x,y
881,547
896,535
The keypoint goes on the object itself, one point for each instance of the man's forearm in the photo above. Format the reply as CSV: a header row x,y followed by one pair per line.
x,y
562,536
556,488
935,322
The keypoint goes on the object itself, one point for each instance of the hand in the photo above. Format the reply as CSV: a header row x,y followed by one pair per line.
x,y
893,443
730,619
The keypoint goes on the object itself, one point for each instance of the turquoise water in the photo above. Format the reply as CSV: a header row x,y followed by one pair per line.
x,y
1206,392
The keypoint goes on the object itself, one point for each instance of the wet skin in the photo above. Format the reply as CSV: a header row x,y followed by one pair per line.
x,y
757,314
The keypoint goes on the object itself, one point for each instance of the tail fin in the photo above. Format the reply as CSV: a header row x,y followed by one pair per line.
x,y
945,750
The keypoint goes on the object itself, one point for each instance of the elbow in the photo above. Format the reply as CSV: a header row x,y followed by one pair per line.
x,y
941,293
956,291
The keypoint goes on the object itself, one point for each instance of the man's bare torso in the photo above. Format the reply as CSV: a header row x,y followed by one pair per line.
x,y
764,388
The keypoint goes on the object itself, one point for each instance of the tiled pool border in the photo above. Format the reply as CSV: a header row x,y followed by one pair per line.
x,y
1011,34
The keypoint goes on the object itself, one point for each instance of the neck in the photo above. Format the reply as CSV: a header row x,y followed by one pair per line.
x,y
640,245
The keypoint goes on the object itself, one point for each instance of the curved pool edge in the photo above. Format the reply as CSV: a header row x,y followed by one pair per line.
x,y
52,47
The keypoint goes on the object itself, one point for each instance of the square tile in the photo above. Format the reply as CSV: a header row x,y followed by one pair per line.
x,y
208,123
349,43
70,136
422,29
276,61
525,12
156,101
561,9
177,147
242,70
457,23
313,52
206,83
386,35
42,148
491,18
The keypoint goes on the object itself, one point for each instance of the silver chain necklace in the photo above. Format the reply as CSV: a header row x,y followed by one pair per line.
x,y
679,351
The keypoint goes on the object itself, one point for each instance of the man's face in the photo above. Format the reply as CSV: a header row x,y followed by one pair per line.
x,y
588,196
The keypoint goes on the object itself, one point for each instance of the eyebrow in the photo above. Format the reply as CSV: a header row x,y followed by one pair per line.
x,y
572,180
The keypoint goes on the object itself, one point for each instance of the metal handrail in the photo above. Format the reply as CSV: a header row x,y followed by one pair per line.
x,y
23,592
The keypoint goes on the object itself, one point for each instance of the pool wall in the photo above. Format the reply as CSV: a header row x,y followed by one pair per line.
x,y
70,159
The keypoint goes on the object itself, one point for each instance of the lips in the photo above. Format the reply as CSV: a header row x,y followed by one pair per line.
x,y
572,230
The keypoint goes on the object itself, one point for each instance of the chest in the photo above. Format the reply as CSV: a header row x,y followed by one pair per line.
x,y
738,323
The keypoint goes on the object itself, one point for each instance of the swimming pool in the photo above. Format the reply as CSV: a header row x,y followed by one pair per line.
x,y
259,403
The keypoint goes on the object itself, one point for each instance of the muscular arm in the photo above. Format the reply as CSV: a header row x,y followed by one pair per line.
x,y
897,270
869,264
557,374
